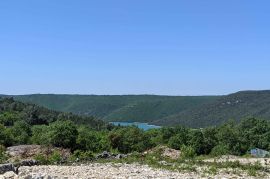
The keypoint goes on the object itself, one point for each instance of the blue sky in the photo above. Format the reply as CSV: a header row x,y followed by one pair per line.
x,y
189,47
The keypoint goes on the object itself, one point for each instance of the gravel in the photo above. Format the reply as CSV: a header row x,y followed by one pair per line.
x,y
107,171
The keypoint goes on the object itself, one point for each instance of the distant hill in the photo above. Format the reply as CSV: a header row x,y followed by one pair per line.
x,y
140,108
192,111
235,106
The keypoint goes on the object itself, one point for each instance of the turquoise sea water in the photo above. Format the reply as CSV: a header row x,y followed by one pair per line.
x,y
143,126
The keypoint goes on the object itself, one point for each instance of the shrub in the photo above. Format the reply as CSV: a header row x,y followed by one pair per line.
x,y
155,137
220,150
55,157
6,138
3,156
63,134
21,132
40,135
89,140
196,140
42,159
129,139
175,142
82,155
187,152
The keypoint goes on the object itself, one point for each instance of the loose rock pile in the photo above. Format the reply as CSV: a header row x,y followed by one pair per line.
x,y
165,152
14,167
7,168
108,155
23,152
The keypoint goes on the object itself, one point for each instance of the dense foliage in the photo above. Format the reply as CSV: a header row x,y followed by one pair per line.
x,y
237,106
20,125
12,111
139,108
190,111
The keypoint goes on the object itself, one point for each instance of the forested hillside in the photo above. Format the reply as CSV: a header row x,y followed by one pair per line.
x,y
12,111
235,106
192,111
139,108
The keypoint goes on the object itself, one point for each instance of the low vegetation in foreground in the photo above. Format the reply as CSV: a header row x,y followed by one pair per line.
x,y
27,124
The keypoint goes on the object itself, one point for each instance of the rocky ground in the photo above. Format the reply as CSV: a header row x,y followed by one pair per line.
x,y
27,168
108,171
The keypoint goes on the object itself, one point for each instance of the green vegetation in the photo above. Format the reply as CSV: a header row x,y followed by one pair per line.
x,y
190,111
12,111
129,139
33,126
3,156
85,136
138,108
237,106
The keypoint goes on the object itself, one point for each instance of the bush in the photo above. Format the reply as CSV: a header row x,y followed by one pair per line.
x,y
6,138
155,137
89,140
196,141
82,155
40,135
63,134
168,132
21,132
129,139
55,157
175,142
42,159
188,152
220,150
3,156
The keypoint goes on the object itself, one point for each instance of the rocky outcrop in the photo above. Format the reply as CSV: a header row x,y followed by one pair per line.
x,y
7,168
23,151
14,167
28,152
108,155
28,163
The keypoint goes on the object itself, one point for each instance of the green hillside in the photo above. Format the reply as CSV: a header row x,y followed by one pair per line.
x,y
236,106
12,111
86,137
140,108
192,111
159,108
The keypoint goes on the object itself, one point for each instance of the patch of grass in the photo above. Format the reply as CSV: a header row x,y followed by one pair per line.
x,y
79,155
156,160
251,169
42,159
252,172
3,155
55,158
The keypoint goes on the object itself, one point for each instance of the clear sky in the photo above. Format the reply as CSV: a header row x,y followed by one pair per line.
x,y
174,47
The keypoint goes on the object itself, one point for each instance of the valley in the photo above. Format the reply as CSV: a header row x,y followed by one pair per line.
x,y
190,111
